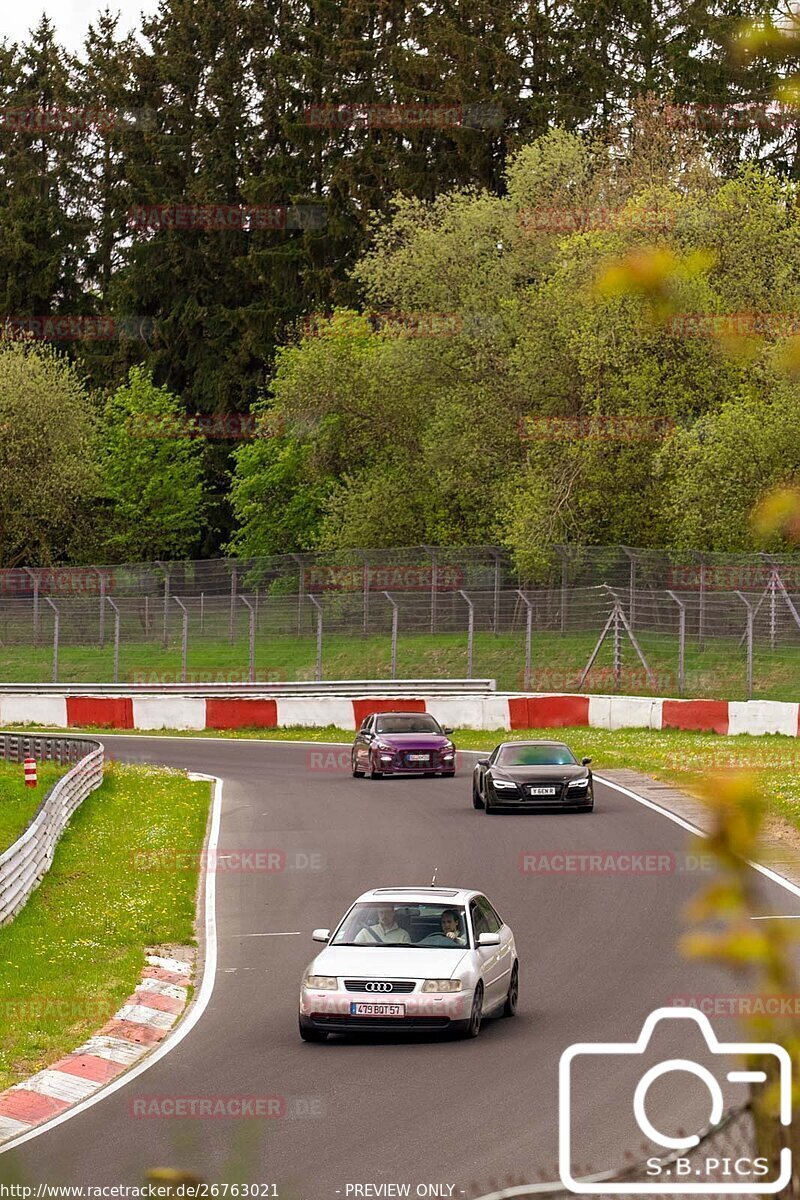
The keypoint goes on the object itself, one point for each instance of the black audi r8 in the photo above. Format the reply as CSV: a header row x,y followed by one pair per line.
x,y
532,775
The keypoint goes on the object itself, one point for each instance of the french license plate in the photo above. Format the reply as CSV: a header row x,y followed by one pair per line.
x,y
358,1008
418,757
541,791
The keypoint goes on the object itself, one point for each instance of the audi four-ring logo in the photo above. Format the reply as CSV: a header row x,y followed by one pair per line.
x,y
378,987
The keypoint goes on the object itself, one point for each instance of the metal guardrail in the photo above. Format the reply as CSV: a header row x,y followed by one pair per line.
x,y
24,864
335,687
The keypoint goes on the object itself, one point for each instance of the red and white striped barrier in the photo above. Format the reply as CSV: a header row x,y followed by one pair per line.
x,y
29,767
490,710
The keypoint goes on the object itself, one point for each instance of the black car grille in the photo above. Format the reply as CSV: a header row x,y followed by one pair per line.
x,y
432,759
380,987
343,1024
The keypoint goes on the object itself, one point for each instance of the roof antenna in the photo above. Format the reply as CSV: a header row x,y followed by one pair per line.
x,y
433,881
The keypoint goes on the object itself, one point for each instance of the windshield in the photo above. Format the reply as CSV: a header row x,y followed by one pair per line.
x,y
536,756
416,723
434,925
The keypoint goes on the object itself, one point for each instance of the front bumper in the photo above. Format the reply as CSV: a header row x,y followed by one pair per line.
x,y
429,1011
520,798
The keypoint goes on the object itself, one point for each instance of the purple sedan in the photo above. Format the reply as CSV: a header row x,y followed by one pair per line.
x,y
402,744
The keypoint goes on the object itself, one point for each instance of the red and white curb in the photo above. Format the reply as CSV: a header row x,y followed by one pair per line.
x,y
140,1024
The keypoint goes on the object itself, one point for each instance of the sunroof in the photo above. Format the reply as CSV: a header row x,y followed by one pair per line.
x,y
396,891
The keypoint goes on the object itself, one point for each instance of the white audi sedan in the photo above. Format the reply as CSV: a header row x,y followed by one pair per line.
x,y
422,959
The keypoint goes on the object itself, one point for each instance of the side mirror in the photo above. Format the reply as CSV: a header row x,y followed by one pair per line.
x,y
585,761
321,935
447,729
488,939
367,736
482,762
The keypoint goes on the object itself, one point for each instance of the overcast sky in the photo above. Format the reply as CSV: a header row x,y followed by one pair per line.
x,y
70,17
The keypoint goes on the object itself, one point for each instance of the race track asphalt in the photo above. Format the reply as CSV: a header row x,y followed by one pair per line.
x,y
597,953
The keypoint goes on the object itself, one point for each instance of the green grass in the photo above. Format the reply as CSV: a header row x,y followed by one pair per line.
x,y
18,804
557,662
75,952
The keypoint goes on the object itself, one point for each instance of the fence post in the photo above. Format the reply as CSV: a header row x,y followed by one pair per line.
x,y
470,631
394,634
56,624
318,607
252,632
749,607
560,551
101,579
434,584
631,587
202,610
184,637
366,594
681,641
701,629
300,591
116,638
528,632
34,575
496,617
165,635
617,650
234,587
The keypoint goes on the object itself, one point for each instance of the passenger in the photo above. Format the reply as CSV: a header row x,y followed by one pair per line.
x,y
451,927
387,929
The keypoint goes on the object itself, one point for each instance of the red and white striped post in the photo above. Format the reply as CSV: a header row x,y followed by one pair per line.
x,y
29,766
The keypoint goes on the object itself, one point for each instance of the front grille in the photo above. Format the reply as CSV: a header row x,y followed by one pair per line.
x,y
433,759
343,1024
382,987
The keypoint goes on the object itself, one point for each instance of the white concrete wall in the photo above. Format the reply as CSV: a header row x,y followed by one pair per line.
x,y
762,716
169,712
19,709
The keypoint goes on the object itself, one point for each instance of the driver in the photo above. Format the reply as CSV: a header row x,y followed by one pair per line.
x,y
387,929
451,926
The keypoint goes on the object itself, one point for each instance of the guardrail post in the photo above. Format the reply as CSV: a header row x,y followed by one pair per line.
x,y
184,637
528,638
56,625
681,641
318,607
115,610
470,631
750,616
252,612
394,634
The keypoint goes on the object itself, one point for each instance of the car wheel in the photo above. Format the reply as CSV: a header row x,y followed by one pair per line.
x,y
476,796
474,1023
371,773
356,773
512,999
309,1034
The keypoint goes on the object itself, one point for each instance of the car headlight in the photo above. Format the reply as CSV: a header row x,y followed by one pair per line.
x,y
578,783
442,985
504,783
321,983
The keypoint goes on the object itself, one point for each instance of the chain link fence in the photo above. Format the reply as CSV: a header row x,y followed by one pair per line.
x,y
642,622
